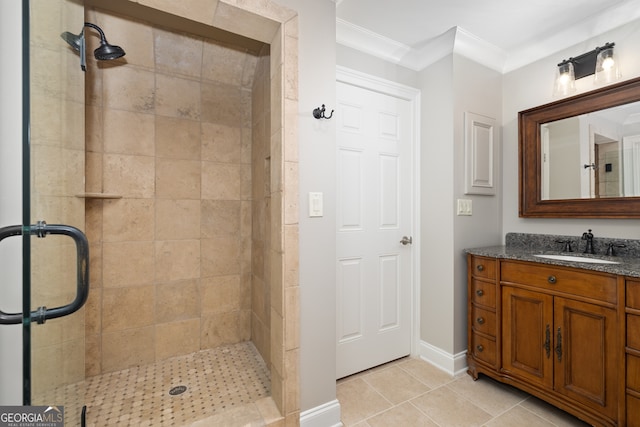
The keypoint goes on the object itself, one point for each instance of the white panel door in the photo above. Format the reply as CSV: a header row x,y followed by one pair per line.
x,y
373,268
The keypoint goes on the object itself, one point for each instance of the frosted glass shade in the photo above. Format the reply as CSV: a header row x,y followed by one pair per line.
x,y
607,70
565,83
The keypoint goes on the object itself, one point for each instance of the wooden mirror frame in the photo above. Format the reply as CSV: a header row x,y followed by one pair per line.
x,y
530,156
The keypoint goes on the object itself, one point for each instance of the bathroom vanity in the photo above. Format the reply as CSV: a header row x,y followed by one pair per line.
x,y
566,331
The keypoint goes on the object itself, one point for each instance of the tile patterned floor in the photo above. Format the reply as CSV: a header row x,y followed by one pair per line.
x,y
222,385
216,380
411,392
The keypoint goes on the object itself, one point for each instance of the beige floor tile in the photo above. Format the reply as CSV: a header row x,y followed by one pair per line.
x,y
449,409
358,401
426,372
551,413
365,400
491,396
396,385
402,415
518,416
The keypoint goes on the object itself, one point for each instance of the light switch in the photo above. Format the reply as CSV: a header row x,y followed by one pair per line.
x,y
464,207
315,205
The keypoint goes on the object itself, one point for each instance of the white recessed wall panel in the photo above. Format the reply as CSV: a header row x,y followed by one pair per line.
x,y
482,165
389,191
349,295
389,291
480,154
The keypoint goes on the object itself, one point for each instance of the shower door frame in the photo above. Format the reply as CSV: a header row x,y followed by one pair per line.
x,y
52,132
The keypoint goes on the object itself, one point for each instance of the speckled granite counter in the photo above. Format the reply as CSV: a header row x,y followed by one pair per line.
x,y
523,247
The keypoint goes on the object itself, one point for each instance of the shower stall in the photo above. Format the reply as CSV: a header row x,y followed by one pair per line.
x,y
178,160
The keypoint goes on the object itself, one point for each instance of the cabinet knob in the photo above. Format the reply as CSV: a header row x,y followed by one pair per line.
x,y
480,348
480,320
552,279
479,292
480,267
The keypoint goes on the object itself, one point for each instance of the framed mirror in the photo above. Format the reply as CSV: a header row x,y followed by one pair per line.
x,y
580,157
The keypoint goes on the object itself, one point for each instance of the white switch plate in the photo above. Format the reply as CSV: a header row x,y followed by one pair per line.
x,y
315,205
464,207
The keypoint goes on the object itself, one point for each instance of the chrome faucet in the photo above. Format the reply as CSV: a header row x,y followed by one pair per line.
x,y
588,236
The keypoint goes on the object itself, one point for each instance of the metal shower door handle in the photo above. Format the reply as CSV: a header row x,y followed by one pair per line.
x,y
41,230
406,240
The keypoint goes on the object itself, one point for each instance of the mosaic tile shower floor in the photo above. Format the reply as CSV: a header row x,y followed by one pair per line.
x,y
216,381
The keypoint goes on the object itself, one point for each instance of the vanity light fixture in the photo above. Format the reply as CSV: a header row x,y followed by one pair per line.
x,y
600,61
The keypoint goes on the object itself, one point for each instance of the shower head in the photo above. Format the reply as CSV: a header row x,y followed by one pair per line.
x,y
73,40
104,52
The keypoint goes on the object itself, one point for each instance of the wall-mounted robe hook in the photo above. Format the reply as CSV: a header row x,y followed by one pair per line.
x,y
318,113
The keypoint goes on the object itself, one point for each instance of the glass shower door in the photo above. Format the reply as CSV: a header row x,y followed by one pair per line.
x,y
54,249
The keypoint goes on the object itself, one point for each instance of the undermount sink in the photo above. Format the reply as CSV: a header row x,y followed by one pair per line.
x,y
577,259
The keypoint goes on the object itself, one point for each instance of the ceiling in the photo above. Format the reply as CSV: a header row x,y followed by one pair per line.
x,y
504,34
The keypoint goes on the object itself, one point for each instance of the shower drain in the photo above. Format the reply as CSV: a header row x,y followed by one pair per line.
x,y
179,389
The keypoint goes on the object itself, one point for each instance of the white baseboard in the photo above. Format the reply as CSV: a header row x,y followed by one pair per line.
x,y
453,364
325,415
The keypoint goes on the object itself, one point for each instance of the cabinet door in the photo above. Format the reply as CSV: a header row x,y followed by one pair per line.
x,y
527,324
585,349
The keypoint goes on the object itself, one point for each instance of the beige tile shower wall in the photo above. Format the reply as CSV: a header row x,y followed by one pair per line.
x,y
57,175
261,195
168,129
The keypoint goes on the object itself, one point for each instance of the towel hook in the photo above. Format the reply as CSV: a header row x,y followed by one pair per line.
x,y
318,113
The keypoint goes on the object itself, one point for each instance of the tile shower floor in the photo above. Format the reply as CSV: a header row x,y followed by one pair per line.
x,y
216,381
411,392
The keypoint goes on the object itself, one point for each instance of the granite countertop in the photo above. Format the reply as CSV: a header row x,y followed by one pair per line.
x,y
523,247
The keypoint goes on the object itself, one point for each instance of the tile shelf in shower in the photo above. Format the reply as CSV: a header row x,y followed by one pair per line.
x,y
99,196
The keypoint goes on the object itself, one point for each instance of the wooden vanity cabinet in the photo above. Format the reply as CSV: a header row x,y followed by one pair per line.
x,y
482,304
632,353
557,330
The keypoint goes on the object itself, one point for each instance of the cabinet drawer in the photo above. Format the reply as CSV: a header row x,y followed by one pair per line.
x,y
633,411
633,372
483,293
577,282
633,294
633,331
483,349
483,267
483,321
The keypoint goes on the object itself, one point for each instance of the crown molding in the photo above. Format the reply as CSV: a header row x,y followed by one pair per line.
x,y
462,42
455,39
369,42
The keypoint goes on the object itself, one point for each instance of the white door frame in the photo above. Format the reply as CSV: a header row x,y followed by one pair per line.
x,y
412,95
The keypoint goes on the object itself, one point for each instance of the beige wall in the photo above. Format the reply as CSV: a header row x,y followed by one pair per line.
x,y
169,130
261,209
